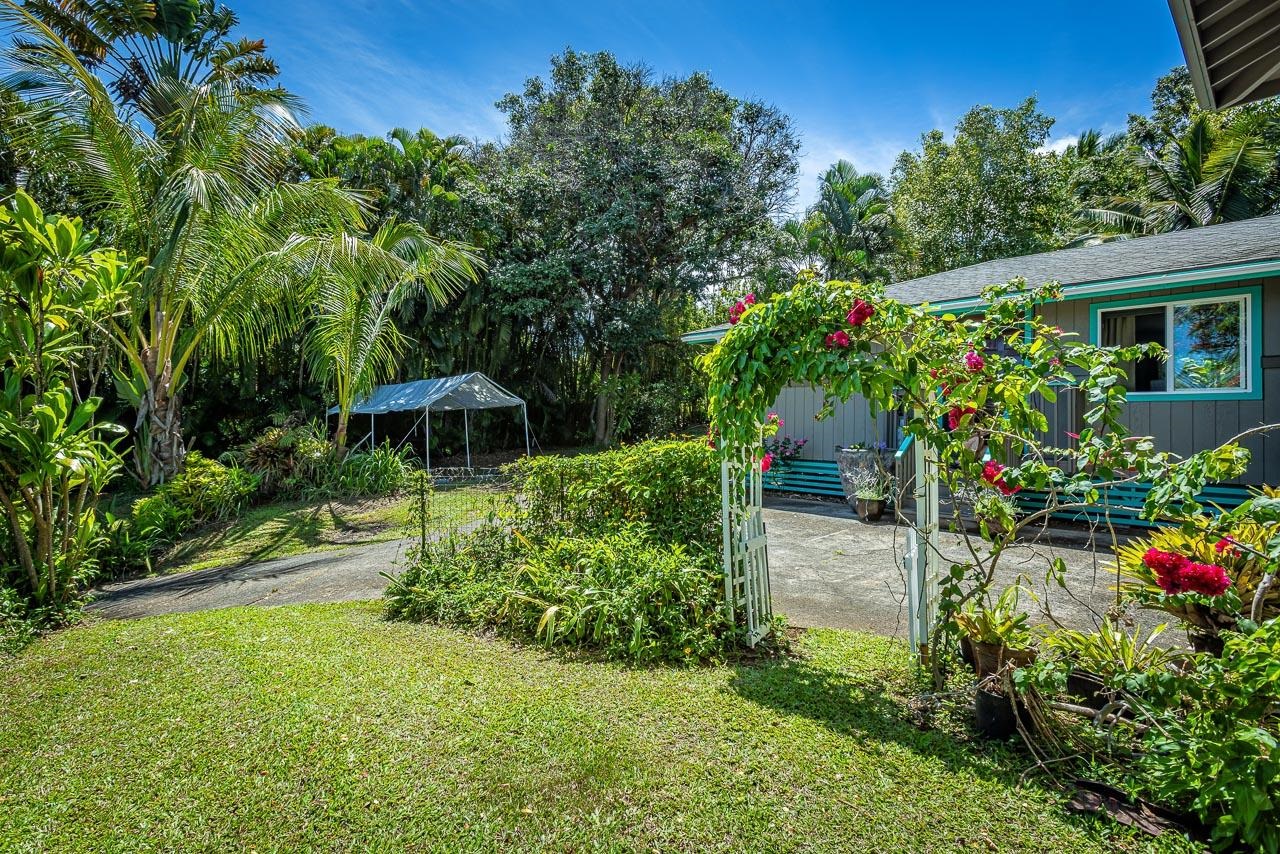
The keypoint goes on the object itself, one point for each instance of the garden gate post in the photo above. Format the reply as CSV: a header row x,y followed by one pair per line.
x,y
923,561
746,554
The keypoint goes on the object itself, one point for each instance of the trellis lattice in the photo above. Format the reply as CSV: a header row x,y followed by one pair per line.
x,y
746,554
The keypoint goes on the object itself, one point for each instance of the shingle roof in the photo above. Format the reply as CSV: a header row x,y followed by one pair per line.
x,y
1176,251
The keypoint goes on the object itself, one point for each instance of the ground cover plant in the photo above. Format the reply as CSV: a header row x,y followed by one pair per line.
x,y
327,727
615,552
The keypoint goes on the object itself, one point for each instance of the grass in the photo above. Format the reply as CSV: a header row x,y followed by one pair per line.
x,y
326,727
297,527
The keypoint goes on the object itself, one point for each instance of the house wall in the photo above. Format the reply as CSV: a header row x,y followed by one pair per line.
x,y
850,422
1185,426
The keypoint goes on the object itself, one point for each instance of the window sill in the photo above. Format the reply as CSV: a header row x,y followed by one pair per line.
x,y
1175,396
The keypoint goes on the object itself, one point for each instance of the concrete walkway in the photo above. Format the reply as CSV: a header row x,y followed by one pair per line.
x,y
826,569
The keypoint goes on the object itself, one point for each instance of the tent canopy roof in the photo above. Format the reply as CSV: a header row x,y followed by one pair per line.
x,y
467,391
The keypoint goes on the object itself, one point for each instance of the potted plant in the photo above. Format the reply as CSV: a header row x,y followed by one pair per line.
x,y
997,633
995,511
784,448
871,489
1109,659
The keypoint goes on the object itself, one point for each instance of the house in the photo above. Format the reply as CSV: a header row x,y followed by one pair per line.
x,y
1211,296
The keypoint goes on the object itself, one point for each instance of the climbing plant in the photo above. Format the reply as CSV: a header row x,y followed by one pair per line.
x,y
971,388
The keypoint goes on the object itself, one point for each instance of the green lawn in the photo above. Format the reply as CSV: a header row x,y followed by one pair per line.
x,y
297,527
325,727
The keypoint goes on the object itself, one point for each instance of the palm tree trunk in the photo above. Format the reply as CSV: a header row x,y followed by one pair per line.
x,y
159,425
340,437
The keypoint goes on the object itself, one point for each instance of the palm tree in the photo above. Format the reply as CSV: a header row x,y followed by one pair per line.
x,y
854,225
1207,175
353,342
177,147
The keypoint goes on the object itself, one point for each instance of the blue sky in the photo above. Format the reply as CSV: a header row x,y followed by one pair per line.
x,y
862,80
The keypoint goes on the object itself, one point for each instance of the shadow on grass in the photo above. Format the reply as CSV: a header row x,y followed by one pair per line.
x,y
859,706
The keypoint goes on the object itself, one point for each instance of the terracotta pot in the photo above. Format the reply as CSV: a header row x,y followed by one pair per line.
x,y
989,658
869,509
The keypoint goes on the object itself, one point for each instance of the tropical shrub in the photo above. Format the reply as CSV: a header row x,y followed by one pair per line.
x,y
18,625
362,474
287,460
621,594
672,486
55,289
205,491
1214,748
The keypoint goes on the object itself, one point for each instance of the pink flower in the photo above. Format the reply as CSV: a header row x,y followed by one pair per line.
x,y
838,340
860,313
774,418
1071,435
735,313
1226,544
956,414
974,362
1207,578
766,463
992,473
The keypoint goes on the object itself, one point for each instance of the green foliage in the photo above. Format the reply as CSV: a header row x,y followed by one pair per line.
x,y
620,593
18,624
381,471
55,458
672,486
1112,652
206,491
1215,746
987,193
287,460
1001,622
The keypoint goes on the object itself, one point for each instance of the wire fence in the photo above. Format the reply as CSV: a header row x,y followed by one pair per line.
x,y
449,501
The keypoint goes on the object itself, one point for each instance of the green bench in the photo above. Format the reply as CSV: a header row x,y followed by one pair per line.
x,y
1123,504
814,477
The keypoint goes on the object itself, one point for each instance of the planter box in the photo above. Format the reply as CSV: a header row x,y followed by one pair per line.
x,y
849,460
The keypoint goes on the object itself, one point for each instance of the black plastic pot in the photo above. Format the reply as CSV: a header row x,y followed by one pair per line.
x,y
995,715
1088,688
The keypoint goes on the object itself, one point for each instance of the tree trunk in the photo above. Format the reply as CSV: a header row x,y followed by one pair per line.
x,y
159,426
603,404
340,436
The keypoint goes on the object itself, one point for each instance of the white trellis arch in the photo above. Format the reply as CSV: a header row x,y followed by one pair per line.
x,y
746,544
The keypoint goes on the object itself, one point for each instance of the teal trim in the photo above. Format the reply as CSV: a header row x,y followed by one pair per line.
x,y
1140,284
1253,343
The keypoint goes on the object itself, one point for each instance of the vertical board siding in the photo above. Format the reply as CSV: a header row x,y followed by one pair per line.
x,y
850,423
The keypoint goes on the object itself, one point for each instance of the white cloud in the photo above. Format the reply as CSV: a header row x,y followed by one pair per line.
x,y
820,150
1060,144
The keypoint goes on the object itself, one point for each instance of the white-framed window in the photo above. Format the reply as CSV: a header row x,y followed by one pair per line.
x,y
1208,340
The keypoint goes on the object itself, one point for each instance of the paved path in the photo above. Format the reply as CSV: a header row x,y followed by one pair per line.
x,y
827,569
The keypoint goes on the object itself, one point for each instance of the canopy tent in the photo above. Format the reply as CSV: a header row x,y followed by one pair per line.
x,y
464,392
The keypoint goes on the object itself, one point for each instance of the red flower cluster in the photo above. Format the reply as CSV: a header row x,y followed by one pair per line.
x,y
766,463
973,362
1176,573
992,473
957,413
860,313
838,340
735,313
1226,544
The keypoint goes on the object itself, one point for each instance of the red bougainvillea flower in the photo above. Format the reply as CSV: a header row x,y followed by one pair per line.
x,y
1207,578
992,473
766,463
775,418
1226,544
735,313
957,413
838,340
860,313
1071,435
973,361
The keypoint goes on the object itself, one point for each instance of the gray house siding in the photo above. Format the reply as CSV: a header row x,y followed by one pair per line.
x,y
850,422
1185,426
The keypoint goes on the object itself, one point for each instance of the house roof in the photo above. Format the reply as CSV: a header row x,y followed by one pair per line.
x,y
1173,252
1232,49
1228,251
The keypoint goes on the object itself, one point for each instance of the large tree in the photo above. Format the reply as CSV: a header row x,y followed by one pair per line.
x,y
990,192
653,191
852,224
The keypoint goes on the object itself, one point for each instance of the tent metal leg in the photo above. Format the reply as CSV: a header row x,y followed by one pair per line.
x,y
524,409
466,432
373,437
426,430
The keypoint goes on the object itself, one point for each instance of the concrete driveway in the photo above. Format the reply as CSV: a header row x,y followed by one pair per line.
x,y
826,569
